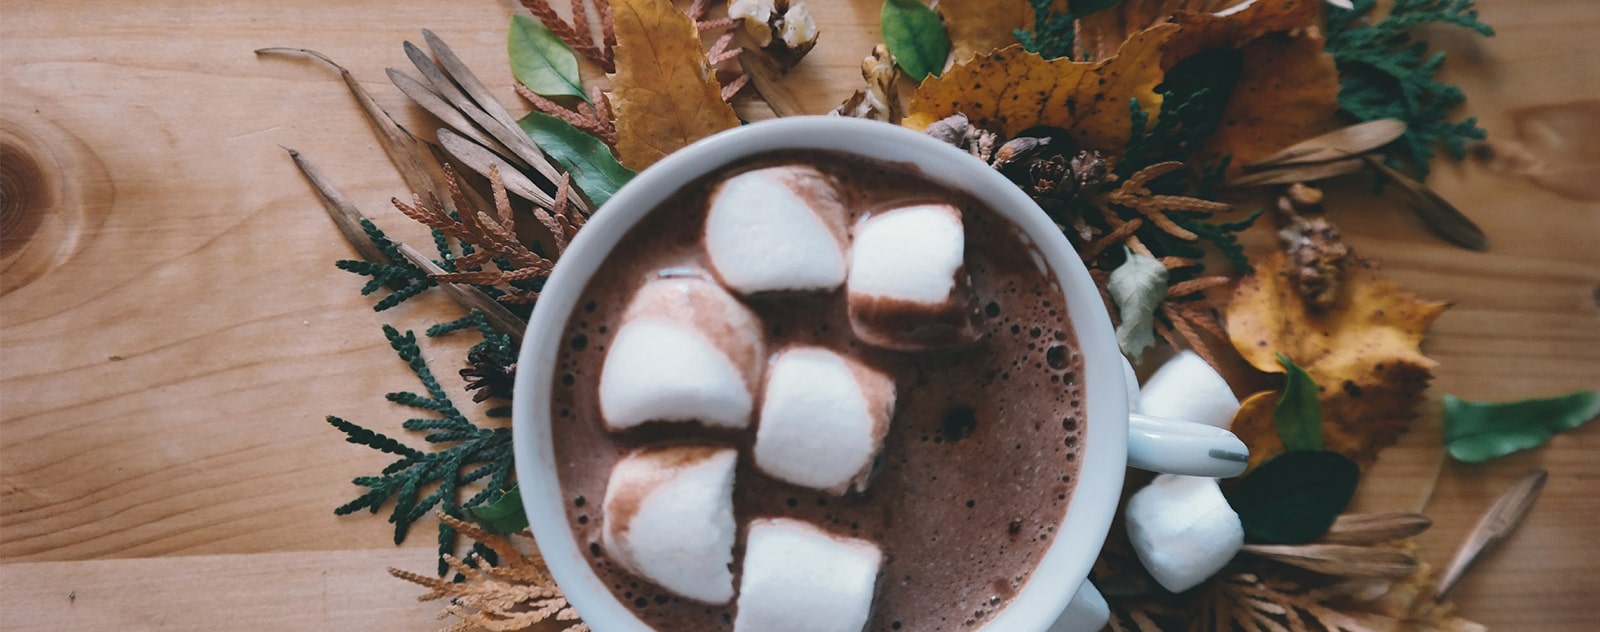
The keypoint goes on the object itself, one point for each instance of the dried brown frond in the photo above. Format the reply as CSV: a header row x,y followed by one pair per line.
x,y
1135,194
1187,323
732,88
516,593
594,119
491,233
1185,288
576,33
1116,236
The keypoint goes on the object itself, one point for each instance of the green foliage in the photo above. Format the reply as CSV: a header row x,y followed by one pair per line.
x,y
1053,31
589,161
463,453
400,275
1294,497
1137,286
1479,431
916,37
1194,94
1224,236
504,515
1298,416
541,61
1086,7
1384,73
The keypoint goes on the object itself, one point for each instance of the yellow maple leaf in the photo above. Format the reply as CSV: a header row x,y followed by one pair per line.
x,y
1363,353
664,92
1011,90
979,27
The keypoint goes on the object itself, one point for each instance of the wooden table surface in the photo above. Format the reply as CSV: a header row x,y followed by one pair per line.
x,y
174,331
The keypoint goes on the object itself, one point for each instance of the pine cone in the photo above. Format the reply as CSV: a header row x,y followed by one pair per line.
x,y
487,377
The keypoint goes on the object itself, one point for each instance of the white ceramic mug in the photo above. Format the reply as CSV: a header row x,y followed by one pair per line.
x,y
1111,441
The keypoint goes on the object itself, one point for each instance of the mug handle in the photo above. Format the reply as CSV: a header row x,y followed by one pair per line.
x,y
1172,446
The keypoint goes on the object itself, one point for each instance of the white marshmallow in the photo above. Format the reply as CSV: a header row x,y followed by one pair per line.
x,y
907,285
823,419
1183,530
686,351
1187,388
669,519
799,578
777,229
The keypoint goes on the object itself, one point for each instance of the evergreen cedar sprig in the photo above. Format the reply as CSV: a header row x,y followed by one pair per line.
x,y
404,278
1384,73
1053,31
493,257
466,454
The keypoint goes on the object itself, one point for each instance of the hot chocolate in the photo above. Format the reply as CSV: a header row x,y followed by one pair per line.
x,y
972,478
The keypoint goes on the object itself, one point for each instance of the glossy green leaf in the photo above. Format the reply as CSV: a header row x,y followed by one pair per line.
x,y
1299,412
541,61
502,516
1479,431
1137,286
1082,8
915,36
1294,497
589,161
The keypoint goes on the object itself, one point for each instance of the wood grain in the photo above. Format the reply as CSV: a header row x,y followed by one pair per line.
x,y
173,330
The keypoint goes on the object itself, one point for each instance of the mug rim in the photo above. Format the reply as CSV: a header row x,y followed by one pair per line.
x,y
1087,517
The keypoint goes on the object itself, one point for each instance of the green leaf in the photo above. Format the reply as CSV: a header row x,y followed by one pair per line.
x,y
541,61
916,37
593,169
1294,497
502,516
1085,7
1478,431
1299,412
1137,286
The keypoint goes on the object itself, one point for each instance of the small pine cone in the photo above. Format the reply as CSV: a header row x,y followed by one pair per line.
x,y
487,377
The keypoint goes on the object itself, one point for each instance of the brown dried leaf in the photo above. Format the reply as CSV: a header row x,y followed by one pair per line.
x,y
979,27
1342,560
1340,144
1099,34
1260,595
1363,352
1435,211
1375,528
768,79
1288,86
1496,524
1010,90
1290,174
663,91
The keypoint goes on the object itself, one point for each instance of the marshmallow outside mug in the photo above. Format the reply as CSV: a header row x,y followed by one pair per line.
x,y
1112,440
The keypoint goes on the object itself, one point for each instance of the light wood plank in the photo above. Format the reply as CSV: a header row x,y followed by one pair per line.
x,y
335,590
